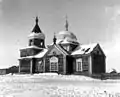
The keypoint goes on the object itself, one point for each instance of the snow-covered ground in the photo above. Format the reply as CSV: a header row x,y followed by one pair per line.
x,y
53,85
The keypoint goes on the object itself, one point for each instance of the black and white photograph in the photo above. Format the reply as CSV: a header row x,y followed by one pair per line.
x,y
59,48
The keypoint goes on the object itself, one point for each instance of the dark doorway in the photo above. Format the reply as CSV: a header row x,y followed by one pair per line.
x,y
33,68
69,65
98,64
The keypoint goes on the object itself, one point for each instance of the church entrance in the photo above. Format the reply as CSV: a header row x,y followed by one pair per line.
x,y
69,64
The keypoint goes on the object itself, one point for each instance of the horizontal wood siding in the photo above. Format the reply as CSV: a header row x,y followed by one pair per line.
x,y
98,64
85,65
60,63
25,65
29,52
47,64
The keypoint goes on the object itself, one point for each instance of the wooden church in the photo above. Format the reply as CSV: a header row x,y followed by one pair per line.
x,y
64,56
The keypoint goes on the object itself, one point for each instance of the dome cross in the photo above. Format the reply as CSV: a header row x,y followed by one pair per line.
x,y
36,20
66,23
54,39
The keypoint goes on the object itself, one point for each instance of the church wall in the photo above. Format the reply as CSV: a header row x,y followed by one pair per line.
x,y
25,65
98,64
37,42
85,64
29,52
60,63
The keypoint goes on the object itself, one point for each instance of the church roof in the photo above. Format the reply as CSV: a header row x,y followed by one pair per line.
x,y
66,36
84,49
39,55
65,41
62,49
32,46
36,29
59,47
36,35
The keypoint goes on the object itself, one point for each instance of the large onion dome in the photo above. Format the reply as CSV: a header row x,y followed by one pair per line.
x,y
66,35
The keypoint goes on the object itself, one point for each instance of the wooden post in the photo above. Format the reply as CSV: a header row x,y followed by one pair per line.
x,y
64,64
43,65
31,66
90,65
19,66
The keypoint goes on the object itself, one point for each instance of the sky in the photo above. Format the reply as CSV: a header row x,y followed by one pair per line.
x,y
90,20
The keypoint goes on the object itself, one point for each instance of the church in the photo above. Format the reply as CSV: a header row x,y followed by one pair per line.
x,y
64,56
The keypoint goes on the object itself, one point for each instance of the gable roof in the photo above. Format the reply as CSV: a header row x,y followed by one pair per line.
x,y
84,49
58,48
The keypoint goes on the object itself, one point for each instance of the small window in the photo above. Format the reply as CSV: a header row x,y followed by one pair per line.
x,y
87,50
79,65
41,44
53,64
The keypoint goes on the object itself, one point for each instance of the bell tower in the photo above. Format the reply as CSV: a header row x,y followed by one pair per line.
x,y
37,38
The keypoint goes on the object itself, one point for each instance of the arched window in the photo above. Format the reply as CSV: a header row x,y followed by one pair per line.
x,y
79,64
53,64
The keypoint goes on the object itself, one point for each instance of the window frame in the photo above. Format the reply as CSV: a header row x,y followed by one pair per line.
x,y
53,63
79,67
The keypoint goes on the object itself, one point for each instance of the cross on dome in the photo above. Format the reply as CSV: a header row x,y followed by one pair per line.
x,y
66,23
36,20
54,39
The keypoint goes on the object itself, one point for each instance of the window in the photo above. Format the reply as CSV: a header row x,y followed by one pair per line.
x,y
79,64
53,64
39,66
41,44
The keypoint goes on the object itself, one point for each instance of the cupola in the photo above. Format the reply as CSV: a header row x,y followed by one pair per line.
x,y
36,37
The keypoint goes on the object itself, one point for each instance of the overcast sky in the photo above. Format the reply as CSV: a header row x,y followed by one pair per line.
x,y
90,20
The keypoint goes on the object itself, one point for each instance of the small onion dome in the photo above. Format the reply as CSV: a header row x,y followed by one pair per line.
x,y
36,32
67,35
36,35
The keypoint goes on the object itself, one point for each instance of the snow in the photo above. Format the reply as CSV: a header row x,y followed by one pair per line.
x,y
32,46
4,67
41,54
82,49
54,85
67,41
26,57
37,35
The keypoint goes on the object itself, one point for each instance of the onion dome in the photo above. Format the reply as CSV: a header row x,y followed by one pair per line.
x,y
66,34
36,32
